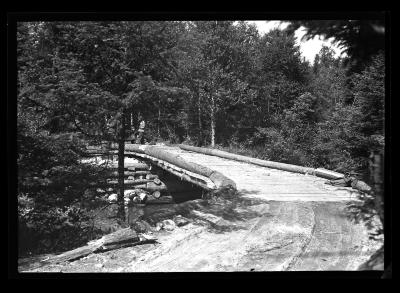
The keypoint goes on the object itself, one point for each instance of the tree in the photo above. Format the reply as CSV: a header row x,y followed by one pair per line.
x,y
360,39
87,77
282,73
214,70
329,82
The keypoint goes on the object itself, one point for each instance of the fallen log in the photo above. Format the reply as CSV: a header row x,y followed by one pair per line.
x,y
75,254
118,239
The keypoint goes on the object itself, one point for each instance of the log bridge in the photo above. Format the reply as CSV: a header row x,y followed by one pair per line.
x,y
215,170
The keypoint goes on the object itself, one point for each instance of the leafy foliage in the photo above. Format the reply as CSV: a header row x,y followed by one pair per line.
x,y
360,39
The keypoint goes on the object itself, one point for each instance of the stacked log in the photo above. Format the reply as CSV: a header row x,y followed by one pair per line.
x,y
156,194
129,183
141,179
135,166
114,174
151,176
151,187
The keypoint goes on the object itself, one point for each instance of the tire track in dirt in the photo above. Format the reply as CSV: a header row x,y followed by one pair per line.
x,y
336,242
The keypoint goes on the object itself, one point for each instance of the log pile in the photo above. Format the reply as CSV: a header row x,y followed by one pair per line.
x,y
143,183
145,187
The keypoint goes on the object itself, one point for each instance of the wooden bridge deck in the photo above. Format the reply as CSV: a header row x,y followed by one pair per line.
x,y
269,184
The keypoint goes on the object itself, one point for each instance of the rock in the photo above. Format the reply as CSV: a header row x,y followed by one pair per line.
x,y
113,197
142,196
168,225
136,200
159,226
130,194
360,185
141,226
180,221
144,237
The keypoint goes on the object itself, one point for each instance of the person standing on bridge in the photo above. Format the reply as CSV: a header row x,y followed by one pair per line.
x,y
142,125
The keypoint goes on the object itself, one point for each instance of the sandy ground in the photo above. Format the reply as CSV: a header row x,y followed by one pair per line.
x,y
244,235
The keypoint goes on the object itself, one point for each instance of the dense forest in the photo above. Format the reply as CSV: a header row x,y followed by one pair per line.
x,y
206,83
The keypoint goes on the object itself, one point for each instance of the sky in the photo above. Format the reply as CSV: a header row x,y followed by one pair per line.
x,y
308,48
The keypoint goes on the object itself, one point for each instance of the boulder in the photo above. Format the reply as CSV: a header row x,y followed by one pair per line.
x,y
360,185
113,197
159,226
168,225
180,221
142,196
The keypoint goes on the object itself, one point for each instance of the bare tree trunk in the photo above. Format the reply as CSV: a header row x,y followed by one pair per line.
x,y
121,157
279,103
200,140
212,121
159,117
377,162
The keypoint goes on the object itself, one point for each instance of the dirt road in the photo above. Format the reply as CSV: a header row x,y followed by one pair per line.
x,y
244,235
